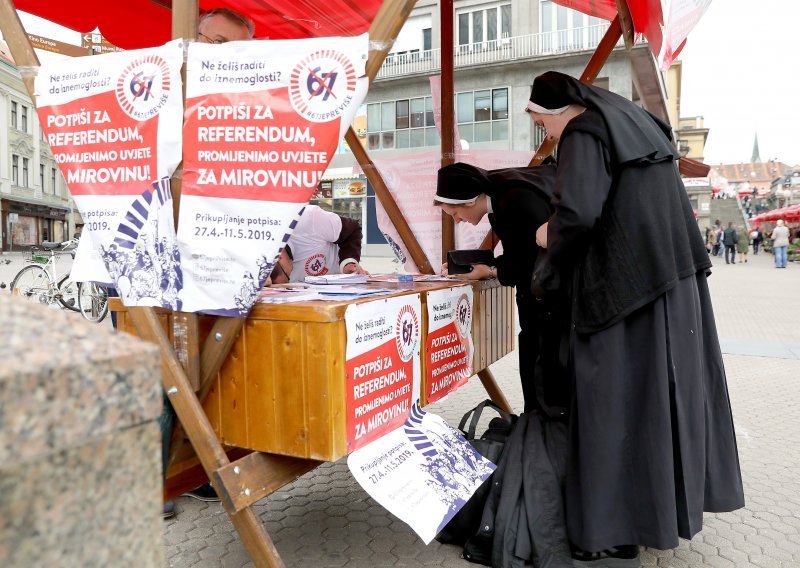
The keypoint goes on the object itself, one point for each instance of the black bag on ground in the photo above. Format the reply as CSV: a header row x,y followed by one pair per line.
x,y
490,445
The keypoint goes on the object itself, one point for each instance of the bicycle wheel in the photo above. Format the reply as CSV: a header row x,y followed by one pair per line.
x,y
92,301
68,293
33,283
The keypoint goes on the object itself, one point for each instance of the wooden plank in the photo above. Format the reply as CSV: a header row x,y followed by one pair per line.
x,y
264,373
324,375
289,355
233,397
186,343
257,475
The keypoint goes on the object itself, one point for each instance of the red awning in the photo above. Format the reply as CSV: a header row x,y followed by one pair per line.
x,y
648,19
133,24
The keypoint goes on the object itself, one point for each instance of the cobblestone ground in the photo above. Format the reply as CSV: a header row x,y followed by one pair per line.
x,y
325,519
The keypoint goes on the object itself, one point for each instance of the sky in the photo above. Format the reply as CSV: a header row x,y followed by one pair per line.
x,y
741,72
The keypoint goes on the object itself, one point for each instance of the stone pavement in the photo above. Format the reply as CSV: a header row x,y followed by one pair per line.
x,y
325,519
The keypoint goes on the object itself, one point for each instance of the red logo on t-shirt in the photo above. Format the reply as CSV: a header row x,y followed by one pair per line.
x,y
315,266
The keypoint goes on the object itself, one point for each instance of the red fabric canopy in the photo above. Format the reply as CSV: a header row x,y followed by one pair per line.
x,y
666,33
133,24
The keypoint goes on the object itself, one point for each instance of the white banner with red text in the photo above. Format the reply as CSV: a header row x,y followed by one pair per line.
x,y
448,349
262,120
113,123
382,366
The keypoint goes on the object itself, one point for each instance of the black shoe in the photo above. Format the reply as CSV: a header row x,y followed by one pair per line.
x,y
203,493
169,509
626,556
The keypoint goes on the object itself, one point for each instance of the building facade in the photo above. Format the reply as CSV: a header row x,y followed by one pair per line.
x,y
500,46
35,205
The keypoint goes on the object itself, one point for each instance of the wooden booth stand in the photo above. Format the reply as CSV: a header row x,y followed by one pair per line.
x,y
261,400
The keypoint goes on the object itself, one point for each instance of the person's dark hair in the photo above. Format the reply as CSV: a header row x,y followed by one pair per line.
x,y
232,16
289,252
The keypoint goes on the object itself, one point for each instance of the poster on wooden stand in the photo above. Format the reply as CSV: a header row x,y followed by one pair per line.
x,y
113,123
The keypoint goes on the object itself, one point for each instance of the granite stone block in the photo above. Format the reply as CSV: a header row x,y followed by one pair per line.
x,y
80,447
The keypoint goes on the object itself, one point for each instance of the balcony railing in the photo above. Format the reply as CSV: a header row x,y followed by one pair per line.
x,y
496,51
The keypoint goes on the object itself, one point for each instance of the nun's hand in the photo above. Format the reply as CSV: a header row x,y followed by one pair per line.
x,y
444,269
541,236
478,272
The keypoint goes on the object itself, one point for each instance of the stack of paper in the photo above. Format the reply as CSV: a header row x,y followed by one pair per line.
x,y
337,279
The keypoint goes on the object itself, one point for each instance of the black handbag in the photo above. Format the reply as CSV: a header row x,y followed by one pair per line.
x,y
461,261
466,522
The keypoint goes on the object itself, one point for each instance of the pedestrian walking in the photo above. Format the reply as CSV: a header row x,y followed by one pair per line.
x,y
713,245
757,237
780,243
652,443
742,243
729,239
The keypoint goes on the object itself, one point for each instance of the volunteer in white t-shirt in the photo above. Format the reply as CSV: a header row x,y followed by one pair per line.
x,y
325,243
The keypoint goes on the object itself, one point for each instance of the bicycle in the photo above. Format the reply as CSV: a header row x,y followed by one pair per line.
x,y
40,282
92,301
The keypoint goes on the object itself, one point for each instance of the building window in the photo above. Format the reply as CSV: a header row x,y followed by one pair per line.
x,y
41,178
24,125
15,169
14,114
53,180
405,123
566,29
483,115
426,39
25,172
481,29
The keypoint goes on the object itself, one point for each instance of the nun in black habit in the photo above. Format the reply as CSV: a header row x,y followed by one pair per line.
x,y
517,201
652,443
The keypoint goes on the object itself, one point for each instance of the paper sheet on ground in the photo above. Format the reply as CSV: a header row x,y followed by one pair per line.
x,y
422,473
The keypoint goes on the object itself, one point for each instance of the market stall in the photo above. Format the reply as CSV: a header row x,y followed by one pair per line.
x,y
233,381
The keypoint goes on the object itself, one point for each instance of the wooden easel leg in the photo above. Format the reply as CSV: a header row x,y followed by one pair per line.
x,y
493,390
255,538
190,413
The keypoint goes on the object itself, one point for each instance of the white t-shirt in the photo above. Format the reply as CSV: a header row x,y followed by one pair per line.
x,y
313,244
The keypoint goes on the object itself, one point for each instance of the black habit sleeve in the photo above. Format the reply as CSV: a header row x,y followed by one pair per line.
x,y
349,240
583,182
517,215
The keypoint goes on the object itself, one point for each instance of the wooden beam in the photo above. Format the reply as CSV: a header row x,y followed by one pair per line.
x,y
382,34
389,204
215,349
257,475
18,44
598,59
493,390
448,115
626,23
384,30
176,384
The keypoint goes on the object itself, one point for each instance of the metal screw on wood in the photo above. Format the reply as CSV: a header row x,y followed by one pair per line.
x,y
247,492
172,390
218,336
236,470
